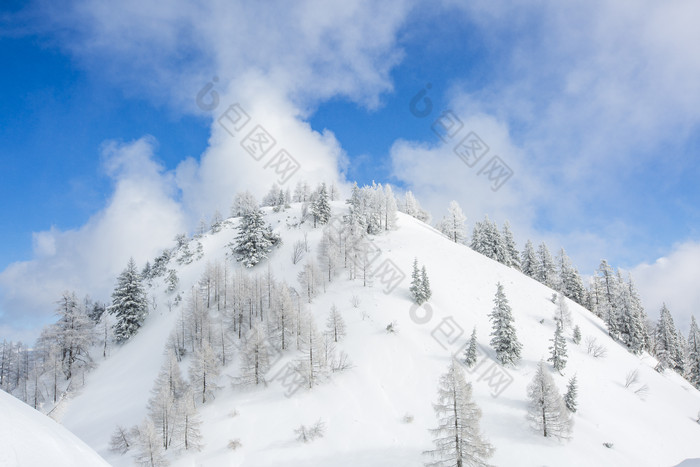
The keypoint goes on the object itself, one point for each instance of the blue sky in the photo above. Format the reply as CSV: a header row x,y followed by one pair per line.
x,y
594,108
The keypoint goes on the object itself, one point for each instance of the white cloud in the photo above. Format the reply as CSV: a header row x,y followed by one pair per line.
x,y
276,59
139,220
672,279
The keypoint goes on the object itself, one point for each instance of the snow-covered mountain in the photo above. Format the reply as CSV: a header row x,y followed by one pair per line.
x,y
378,412
31,439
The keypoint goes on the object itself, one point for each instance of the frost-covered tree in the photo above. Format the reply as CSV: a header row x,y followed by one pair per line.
x,y
163,404
243,203
569,281
416,288
487,240
412,207
188,430
321,209
204,370
73,332
470,355
453,225
608,288
425,284
546,270
283,313
390,208
255,239
546,409
694,353
149,448
511,247
558,349
255,357
504,340
122,440
129,303
631,317
562,313
528,261
313,363
329,255
335,325
571,396
577,335
667,346
458,438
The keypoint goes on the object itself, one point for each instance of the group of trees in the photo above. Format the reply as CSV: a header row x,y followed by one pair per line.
x,y
420,284
65,350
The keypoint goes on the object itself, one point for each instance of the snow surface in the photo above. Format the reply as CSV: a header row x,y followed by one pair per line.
x,y
31,439
397,374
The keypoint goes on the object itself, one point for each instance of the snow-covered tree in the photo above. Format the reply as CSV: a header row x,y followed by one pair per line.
x,y
412,207
416,288
667,347
204,370
188,430
335,325
694,353
390,208
243,203
255,239
631,317
607,284
562,313
528,261
504,340
122,440
577,335
558,349
255,357
569,281
470,355
453,225
511,247
162,406
425,284
546,270
129,303
570,398
321,209
458,438
74,333
546,409
149,447
313,364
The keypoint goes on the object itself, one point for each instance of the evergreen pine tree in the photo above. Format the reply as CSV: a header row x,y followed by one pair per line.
x,y
321,209
511,247
667,348
547,410
255,239
504,340
694,353
470,354
545,269
558,349
425,285
577,335
128,303
458,439
571,395
528,261
416,288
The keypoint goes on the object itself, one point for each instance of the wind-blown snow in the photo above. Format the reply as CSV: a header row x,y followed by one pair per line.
x,y
397,374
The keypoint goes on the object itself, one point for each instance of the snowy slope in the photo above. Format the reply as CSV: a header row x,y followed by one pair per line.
x,y
397,374
30,439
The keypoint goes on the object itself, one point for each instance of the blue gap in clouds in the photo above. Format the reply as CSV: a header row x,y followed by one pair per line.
x,y
440,49
53,121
